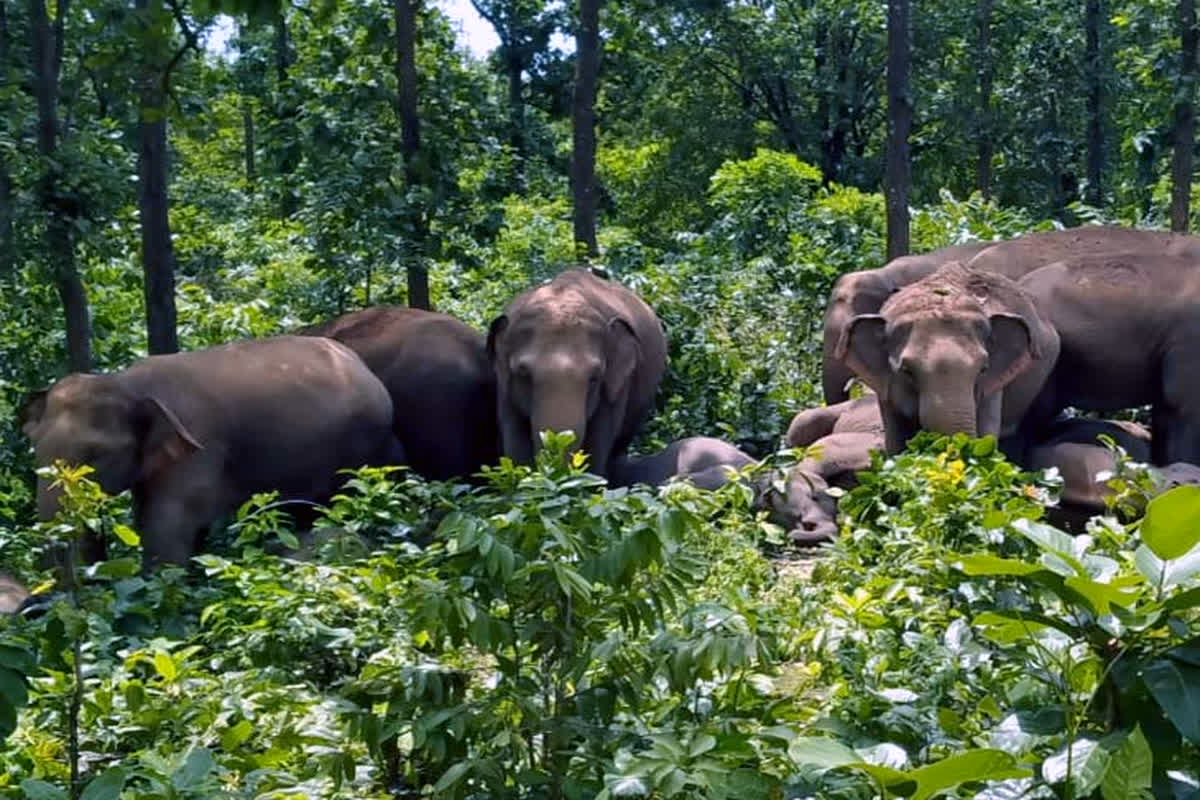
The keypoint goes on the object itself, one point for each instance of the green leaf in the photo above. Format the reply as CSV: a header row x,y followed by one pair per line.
x,y
1171,526
40,790
164,665
1088,762
1130,768
629,786
12,688
1176,688
821,752
701,745
452,776
233,737
127,535
106,787
195,769
984,564
973,765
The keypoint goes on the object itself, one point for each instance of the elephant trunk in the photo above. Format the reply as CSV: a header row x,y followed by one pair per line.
x,y
48,498
560,412
949,412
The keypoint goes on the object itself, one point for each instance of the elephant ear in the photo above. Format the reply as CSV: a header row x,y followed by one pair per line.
x,y
622,355
164,438
495,330
32,411
862,348
1011,349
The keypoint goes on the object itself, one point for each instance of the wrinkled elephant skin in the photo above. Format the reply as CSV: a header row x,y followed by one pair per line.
x,y
579,353
706,462
196,434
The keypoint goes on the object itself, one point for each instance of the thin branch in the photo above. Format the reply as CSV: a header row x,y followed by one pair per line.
x,y
189,43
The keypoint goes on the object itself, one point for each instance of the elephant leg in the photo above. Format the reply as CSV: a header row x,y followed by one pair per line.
x,y
1176,420
169,533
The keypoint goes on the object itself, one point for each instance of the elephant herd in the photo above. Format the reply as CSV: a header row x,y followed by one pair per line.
x,y
988,338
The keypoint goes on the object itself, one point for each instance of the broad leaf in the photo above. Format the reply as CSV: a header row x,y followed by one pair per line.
x,y
106,787
1171,526
1176,687
1088,762
1130,768
973,765
40,790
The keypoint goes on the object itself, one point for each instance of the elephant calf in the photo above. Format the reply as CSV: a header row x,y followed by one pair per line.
x,y
703,460
196,434
12,594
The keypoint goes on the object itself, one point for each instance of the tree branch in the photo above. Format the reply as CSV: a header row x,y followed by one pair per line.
x,y
189,43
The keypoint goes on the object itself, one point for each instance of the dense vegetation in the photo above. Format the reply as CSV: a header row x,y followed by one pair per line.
x,y
541,635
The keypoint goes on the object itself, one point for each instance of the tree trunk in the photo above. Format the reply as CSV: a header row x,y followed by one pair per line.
x,y
248,142
410,150
516,110
1095,101
899,123
583,163
1185,121
158,253
6,209
47,48
987,72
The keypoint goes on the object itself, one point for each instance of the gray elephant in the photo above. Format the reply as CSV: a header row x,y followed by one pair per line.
x,y
579,353
860,415
864,292
1018,257
706,462
1129,325
196,434
443,389
957,351
13,595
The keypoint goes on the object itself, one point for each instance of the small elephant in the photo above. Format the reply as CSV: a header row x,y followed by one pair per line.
x,y
1073,448
443,390
579,353
1129,324
13,595
806,505
703,460
860,415
196,434
1180,473
957,351
864,292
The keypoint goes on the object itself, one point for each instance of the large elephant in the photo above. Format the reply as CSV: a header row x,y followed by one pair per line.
x,y
579,353
1018,257
703,460
196,434
1129,324
864,292
957,351
443,390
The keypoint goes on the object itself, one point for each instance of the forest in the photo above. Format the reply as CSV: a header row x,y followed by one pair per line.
x,y
176,175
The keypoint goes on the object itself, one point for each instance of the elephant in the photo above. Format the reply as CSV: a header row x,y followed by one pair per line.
x,y
957,351
1129,324
1018,257
706,462
13,595
864,292
860,415
579,353
443,389
196,434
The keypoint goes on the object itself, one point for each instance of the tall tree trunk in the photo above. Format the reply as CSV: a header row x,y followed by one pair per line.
x,y
410,149
583,162
6,209
47,49
1094,61
987,71
516,110
158,253
1185,120
248,142
900,113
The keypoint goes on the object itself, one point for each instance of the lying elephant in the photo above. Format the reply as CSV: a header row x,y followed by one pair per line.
x,y
579,353
196,434
706,462
436,370
860,415
957,351
864,292
1129,328
13,594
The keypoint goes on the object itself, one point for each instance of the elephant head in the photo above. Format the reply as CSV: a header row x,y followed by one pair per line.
x,y
93,420
941,352
562,369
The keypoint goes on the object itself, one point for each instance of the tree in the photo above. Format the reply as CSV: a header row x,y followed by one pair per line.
x,y
583,161
158,252
987,74
410,150
56,200
898,181
1185,120
1095,66
524,28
